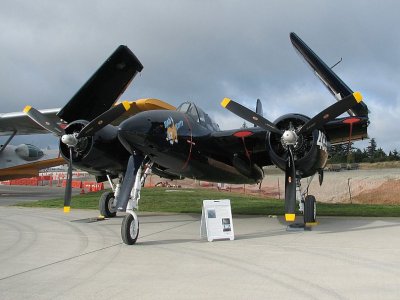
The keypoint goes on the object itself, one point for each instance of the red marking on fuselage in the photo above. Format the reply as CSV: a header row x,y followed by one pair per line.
x,y
191,143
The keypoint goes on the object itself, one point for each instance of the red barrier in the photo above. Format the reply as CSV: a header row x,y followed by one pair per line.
x,y
25,181
76,184
93,186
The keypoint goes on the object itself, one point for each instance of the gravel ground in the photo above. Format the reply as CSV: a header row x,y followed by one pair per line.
x,y
353,186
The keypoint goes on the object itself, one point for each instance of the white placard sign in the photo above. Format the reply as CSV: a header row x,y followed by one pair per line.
x,y
216,220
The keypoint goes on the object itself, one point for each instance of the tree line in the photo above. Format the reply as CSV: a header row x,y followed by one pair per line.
x,y
372,153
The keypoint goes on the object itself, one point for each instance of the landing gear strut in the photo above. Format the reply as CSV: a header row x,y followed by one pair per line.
x,y
129,196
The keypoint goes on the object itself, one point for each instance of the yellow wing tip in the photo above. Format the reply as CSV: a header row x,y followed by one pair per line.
x,y
290,217
67,209
126,105
27,108
358,96
225,102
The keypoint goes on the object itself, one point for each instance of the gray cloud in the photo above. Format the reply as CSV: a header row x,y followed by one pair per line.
x,y
204,51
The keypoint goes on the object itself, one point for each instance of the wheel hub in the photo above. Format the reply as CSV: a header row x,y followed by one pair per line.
x,y
133,229
112,205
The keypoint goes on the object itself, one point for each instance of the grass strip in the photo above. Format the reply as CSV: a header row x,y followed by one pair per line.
x,y
190,201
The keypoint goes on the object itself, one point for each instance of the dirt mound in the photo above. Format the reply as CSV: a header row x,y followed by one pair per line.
x,y
387,193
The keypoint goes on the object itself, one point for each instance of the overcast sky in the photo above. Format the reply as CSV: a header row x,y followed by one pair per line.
x,y
204,51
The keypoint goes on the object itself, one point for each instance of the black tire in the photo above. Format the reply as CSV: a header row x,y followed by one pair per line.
x,y
129,233
310,209
105,206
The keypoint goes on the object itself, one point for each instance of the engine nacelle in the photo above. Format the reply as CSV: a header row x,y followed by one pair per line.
x,y
99,154
29,152
310,150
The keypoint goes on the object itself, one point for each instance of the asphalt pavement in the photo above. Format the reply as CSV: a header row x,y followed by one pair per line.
x,y
13,194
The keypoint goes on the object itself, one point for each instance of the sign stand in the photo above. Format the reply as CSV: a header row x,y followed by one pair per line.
x,y
216,220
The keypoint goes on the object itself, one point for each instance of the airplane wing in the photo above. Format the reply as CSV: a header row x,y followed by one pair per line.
x,y
340,130
334,84
21,124
102,90
143,105
29,169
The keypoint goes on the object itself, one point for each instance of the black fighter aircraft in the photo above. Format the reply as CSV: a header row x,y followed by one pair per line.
x,y
186,143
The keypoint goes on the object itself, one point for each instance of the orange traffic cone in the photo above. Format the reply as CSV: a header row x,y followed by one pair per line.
x,y
82,191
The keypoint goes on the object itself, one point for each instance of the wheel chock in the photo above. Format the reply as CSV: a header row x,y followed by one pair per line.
x,y
298,227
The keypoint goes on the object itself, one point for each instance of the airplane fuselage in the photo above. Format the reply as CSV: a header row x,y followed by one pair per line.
x,y
183,146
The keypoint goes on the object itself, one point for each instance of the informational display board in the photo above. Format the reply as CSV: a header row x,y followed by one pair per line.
x,y
216,220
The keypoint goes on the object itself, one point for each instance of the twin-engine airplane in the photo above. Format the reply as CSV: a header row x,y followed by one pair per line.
x,y
24,160
185,142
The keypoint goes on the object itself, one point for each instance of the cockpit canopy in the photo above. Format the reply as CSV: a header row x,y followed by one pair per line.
x,y
198,115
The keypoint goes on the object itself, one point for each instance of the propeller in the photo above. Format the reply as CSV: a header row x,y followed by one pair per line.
x,y
290,136
249,115
71,140
104,119
331,112
290,187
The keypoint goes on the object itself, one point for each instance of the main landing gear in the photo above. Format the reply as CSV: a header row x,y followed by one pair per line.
x,y
107,205
130,223
307,203
125,197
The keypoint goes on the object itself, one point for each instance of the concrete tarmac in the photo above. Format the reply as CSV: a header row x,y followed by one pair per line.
x,y
45,254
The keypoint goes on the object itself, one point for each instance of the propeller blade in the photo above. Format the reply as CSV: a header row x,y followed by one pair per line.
x,y
104,119
249,115
43,120
68,186
290,187
331,112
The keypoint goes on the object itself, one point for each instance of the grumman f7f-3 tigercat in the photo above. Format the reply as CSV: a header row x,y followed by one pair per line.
x,y
123,141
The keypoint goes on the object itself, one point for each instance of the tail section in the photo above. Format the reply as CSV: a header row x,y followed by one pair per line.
x,y
259,109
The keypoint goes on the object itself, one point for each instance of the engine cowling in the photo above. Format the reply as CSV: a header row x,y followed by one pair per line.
x,y
99,154
310,149
29,152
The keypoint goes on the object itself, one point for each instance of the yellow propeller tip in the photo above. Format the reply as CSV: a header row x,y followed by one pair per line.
x,y
290,217
358,96
225,102
67,209
126,105
27,108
